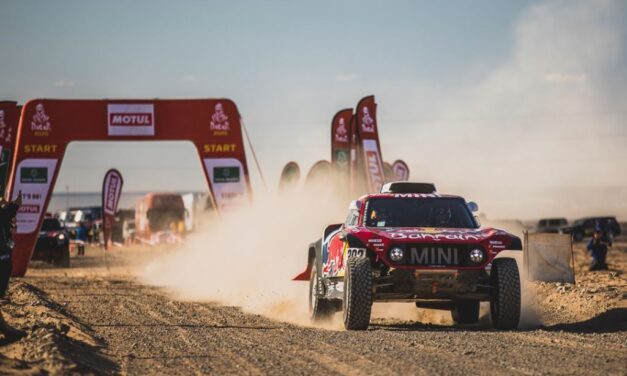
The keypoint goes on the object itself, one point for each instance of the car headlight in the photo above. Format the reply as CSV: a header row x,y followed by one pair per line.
x,y
61,237
396,254
476,255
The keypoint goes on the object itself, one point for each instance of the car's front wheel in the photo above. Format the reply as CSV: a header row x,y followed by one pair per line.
x,y
505,300
357,294
320,309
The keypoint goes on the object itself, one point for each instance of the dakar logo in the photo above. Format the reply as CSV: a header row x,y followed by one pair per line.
x,y
219,121
41,121
5,132
341,134
367,122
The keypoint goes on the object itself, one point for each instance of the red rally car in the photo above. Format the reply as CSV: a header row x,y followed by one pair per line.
x,y
412,244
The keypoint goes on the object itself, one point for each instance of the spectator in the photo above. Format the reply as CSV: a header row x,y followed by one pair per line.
x,y
597,246
8,210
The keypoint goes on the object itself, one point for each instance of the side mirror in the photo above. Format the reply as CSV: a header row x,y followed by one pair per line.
x,y
355,206
472,206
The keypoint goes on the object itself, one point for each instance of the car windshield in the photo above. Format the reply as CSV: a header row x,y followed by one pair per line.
x,y
51,224
418,212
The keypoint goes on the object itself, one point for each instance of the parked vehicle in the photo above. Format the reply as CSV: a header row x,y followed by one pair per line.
x,y
53,243
585,227
551,225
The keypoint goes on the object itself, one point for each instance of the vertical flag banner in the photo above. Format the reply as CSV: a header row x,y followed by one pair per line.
x,y
9,117
111,191
289,177
368,134
340,140
401,171
47,126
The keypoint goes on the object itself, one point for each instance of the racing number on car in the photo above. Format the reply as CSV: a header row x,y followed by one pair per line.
x,y
356,252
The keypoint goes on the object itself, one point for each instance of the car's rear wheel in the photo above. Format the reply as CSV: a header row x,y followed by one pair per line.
x,y
63,260
320,309
466,312
505,300
357,294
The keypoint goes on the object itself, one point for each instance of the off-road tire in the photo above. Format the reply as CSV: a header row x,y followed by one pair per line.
x,y
63,261
505,299
357,294
320,309
465,312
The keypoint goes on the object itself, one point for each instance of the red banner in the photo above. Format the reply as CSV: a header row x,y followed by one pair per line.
x,y
9,117
47,126
369,160
111,191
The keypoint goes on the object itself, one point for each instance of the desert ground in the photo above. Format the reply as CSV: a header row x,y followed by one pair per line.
x,y
92,320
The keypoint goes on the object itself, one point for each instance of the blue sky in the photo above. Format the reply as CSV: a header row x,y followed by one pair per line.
x,y
464,74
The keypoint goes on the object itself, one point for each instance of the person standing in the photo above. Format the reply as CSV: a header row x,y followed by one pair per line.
x,y
8,211
597,246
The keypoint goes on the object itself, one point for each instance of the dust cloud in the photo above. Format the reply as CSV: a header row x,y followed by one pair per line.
x,y
540,132
248,256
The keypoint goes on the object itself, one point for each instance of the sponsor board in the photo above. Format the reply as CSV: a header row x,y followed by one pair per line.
x,y
227,182
131,119
33,179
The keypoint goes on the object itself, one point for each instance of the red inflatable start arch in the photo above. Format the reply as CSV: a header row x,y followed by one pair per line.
x,y
47,126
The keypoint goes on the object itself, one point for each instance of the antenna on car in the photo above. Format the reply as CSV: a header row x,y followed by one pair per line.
x,y
408,187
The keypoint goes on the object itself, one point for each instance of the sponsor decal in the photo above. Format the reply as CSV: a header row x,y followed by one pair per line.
x,y
434,256
40,148
32,209
219,124
375,240
131,119
226,174
111,194
40,123
341,132
416,195
367,122
35,175
219,148
435,237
